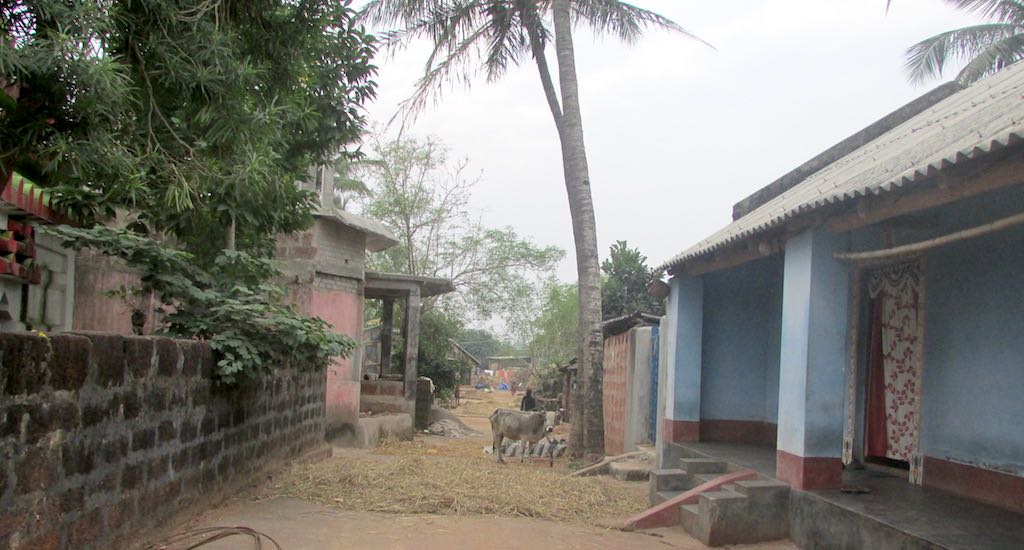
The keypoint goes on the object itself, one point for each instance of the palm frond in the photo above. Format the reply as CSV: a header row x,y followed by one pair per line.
x,y
996,57
623,20
1004,11
927,58
470,37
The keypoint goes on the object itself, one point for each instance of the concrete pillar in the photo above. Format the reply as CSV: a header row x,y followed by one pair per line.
x,y
683,340
812,384
411,334
387,326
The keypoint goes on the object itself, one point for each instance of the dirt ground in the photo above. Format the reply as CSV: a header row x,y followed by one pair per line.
x,y
300,510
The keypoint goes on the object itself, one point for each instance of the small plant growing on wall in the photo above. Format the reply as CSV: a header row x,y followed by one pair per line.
x,y
233,304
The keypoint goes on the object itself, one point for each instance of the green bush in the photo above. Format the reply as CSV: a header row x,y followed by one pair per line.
x,y
232,304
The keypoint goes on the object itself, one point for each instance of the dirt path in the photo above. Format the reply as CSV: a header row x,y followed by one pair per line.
x,y
439,493
296,524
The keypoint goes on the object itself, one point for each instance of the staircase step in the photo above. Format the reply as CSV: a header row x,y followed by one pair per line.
x,y
662,496
672,479
759,487
689,518
715,497
695,466
701,479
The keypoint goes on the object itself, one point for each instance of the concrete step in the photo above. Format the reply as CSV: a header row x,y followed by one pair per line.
x,y
669,479
701,479
689,519
694,466
718,498
672,479
757,488
662,496
759,513
629,471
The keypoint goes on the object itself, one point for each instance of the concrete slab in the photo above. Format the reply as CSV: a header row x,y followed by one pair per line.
x,y
630,471
371,429
897,514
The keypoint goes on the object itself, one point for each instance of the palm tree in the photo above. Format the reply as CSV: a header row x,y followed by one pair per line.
x,y
490,36
987,47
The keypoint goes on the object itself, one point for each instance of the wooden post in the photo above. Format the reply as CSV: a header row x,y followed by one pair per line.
x,y
387,324
411,331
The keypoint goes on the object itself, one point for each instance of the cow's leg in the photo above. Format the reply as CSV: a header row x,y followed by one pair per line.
x,y
551,454
497,446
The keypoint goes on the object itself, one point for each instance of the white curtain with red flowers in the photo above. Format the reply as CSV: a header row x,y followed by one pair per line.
x,y
899,288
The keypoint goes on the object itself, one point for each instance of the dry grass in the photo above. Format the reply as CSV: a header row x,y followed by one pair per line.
x,y
455,477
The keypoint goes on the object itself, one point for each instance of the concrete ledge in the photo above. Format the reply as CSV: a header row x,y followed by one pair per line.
x,y
371,429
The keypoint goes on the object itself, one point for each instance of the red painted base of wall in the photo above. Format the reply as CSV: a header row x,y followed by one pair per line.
x,y
681,431
1003,490
738,431
808,472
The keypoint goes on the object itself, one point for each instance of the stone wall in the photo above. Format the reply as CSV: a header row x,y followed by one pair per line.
x,y
103,435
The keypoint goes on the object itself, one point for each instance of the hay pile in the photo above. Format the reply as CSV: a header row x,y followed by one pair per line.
x,y
456,479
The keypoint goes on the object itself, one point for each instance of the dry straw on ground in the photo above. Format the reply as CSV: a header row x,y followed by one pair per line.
x,y
455,478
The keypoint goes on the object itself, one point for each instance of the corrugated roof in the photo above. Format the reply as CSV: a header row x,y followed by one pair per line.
x,y
969,124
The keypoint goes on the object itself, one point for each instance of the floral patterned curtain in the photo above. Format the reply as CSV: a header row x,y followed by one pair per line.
x,y
898,290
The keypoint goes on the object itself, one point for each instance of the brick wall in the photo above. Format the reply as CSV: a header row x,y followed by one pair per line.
x,y
616,372
103,435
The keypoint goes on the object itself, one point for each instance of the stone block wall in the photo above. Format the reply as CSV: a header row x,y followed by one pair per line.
x,y
104,435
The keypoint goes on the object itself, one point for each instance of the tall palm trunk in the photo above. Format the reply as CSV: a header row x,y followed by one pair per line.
x,y
584,226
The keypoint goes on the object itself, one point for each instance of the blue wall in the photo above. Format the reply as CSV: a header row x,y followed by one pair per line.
x,y
973,379
740,363
683,350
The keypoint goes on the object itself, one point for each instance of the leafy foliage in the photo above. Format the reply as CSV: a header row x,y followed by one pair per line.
x,y
987,47
434,352
546,380
232,305
482,343
423,197
196,116
556,329
624,286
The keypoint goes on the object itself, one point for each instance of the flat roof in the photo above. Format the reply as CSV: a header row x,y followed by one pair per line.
x,y
395,284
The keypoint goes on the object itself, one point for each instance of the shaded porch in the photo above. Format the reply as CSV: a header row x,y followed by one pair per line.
x,y
892,513
393,388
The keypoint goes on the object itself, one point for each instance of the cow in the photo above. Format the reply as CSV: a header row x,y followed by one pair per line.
x,y
529,427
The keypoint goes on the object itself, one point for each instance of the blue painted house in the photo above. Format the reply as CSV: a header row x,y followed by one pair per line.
x,y
867,309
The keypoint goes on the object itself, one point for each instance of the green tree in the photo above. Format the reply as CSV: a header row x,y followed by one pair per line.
x,y
556,328
198,117
490,37
434,359
482,343
625,283
986,47
423,197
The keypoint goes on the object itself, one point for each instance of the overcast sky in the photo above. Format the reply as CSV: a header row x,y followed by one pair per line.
x,y
677,132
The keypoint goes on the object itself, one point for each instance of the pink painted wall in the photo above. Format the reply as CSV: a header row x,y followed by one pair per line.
x,y
344,311
96,274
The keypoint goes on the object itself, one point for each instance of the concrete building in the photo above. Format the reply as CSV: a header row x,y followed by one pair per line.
x,y
325,267
37,274
865,310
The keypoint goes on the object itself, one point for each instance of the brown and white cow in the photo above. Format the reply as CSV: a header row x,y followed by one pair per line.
x,y
529,427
